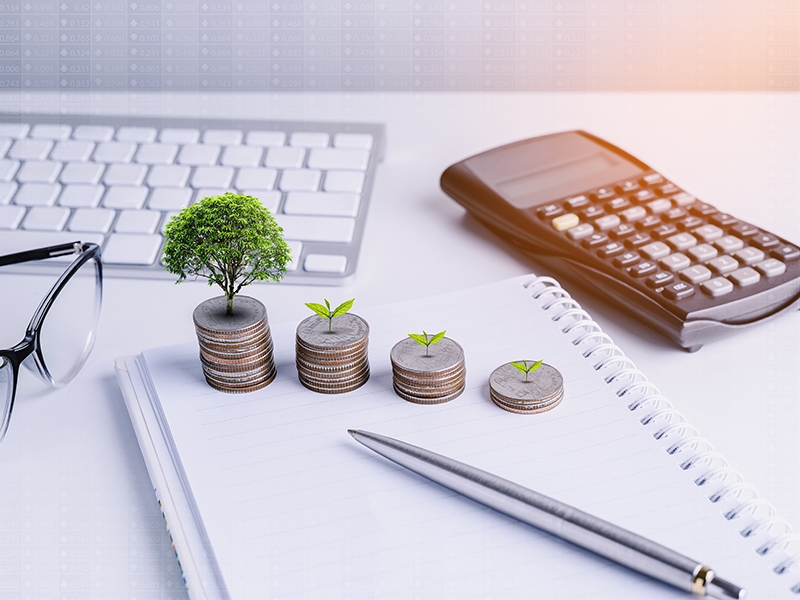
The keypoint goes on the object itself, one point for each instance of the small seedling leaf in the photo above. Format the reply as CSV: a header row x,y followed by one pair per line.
x,y
437,338
328,304
535,365
418,338
319,309
519,366
343,308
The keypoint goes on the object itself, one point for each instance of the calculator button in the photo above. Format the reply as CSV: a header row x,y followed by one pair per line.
x,y
765,241
659,206
652,179
580,231
592,212
627,259
634,213
723,264
607,222
723,219
708,233
682,241
785,252
623,230
649,221
548,211
744,230
678,290
617,204
594,240
673,214
729,244
664,231
604,194
682,199
749,256
745,276
564,222
655,250
669,188
703,252
627,186
689,223
660,279
643,269
612,249
696,274
638,239
771,267
676,262
577,202
701,209
719,286
643,196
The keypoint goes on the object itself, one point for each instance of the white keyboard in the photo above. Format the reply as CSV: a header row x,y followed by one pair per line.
x,y
116,181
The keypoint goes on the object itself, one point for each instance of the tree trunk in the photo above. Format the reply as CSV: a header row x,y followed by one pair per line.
x,y
229,308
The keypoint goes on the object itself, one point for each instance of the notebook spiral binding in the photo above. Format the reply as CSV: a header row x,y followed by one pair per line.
x,y
696,454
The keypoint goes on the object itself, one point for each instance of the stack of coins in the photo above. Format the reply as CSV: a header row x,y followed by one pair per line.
x,y
235,350
335,361
433,379
543,391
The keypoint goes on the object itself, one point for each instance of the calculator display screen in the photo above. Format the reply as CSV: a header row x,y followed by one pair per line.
x,y
592,167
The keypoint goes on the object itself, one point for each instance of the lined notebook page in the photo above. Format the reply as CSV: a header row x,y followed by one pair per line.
x,y
294,507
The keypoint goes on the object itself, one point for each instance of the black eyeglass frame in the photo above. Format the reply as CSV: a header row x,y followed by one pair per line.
x,y
31,344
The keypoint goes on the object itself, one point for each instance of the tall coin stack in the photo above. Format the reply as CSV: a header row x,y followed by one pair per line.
x,y
335,361
433,379
235,350
543,391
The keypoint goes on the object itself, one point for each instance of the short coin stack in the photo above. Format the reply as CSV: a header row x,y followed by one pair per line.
x,y
235,350
543,391
433,379
335,361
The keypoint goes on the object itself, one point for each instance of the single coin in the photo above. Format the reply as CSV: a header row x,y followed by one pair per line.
x,y
508,383
235,341
347,331
225,387
439,400
515,408
429,383
459,368
333,389
332,350
211,314
442,357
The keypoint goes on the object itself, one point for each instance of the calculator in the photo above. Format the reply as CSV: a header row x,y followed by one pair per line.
x,y
593,214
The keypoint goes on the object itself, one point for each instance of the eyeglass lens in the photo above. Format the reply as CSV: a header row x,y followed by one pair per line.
x,y
6,390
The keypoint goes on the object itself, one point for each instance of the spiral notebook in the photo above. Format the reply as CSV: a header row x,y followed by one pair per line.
x,y
267,496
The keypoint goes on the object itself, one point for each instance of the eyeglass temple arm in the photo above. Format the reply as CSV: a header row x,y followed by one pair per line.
x,y
41,253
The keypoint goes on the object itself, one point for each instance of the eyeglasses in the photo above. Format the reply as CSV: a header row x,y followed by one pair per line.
x,y
61,333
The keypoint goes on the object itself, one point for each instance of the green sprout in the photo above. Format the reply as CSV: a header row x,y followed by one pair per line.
x,y
326,313
427,340
526,368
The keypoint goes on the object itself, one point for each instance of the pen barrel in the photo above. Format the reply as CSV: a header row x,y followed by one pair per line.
x,y
566,522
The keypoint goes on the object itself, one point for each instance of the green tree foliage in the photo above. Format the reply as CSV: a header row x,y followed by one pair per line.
x,y
230,240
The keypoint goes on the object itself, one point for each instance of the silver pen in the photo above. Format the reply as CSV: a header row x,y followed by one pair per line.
x,y
566,522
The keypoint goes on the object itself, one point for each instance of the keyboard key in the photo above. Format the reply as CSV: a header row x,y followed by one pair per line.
x,y
170,198
10,218
79,195
93,133
223,137
7,169
302,180
120,197
285,158
96,220
48,131
339,158
723,264
121,174
678,291
39,171
142,135
643,269
114,152
729,244
14,131
261,179
41,218
660,279
269,200
208,193
719,286
322,203
771,267
17,241
682,241
749,256
703,252
265,139
627,259
175,135
317,229
296,248
216,177
72,150
169,175
157,154
696,274
137,221
309,139
77,172
344,181
198,156
242,156
785,252
655,250
37,194
353,140
745,276
7,191
132,249
676,262
580,231
325,263
708,233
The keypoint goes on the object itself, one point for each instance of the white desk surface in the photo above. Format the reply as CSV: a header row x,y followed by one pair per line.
x,y
77,513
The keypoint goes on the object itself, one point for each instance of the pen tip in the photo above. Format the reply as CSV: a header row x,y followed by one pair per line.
x,y
352,432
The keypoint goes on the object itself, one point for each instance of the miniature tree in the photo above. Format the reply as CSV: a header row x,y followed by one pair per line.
x,y
230,240
326,313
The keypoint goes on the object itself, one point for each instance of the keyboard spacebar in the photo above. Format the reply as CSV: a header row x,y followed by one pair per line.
x,y
317,229
19,241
